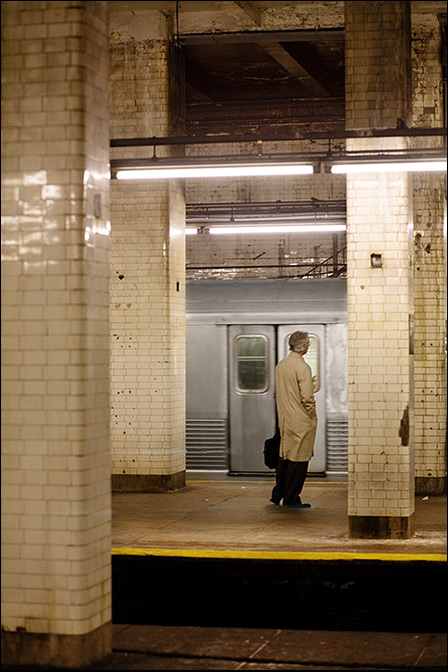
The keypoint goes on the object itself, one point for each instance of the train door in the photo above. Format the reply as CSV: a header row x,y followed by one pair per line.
x,y
315,358
251,395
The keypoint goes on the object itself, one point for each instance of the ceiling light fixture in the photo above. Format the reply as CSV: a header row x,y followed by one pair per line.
x,y
279,164
235,170
223,230
273,168
398,167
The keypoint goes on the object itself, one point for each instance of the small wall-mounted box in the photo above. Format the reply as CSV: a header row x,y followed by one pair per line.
x,y
376,260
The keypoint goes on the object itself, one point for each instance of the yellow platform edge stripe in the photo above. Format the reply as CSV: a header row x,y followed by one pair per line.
x,y
274,555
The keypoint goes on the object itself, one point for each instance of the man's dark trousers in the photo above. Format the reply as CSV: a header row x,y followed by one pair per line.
x,y
289,477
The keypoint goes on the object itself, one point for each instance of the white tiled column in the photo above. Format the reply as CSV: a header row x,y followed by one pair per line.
x,y
380,302
147,268
429,191
56,512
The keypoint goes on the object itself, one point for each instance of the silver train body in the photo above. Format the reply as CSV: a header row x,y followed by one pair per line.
x,y
237,331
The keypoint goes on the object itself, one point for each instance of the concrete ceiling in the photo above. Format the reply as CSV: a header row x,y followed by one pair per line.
x,y
421,6
198,5
195,6
254,67
265,83
242,78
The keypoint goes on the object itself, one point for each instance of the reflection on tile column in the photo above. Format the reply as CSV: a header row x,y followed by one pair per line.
x,y
55,224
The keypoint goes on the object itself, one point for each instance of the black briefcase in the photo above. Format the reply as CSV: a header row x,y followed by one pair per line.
x,y
271,450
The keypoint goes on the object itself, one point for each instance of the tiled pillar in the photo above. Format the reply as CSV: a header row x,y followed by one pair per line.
x,y
429,266
380,302
147,268
56,569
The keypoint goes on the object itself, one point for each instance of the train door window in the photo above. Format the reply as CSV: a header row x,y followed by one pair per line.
x,y
251,364
311,358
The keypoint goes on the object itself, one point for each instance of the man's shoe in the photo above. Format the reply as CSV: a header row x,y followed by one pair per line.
x,y
274,502
298,506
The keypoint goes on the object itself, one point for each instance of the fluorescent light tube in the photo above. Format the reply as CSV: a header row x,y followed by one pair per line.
x,y
402,167
244,170
223,230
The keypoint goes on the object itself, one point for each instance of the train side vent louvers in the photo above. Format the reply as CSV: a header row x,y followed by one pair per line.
x,y
207,445
337,444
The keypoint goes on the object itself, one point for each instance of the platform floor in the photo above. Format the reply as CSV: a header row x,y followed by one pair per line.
x,y
189,648
234,515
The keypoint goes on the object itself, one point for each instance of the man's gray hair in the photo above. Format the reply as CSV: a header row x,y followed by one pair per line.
x,y
298,340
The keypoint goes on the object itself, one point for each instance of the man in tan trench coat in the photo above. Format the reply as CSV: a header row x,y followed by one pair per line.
x,y
297,419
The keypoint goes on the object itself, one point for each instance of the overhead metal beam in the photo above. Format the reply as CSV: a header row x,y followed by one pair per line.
x,y
198,93
294,68
242,12
333,135
263,36
198,81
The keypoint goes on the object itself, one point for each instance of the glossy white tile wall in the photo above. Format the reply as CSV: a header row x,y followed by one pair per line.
x,y
380,301
430,326
55,445
429,208
147,275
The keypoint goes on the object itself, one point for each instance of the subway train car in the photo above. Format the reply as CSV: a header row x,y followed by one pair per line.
x,y
237,331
